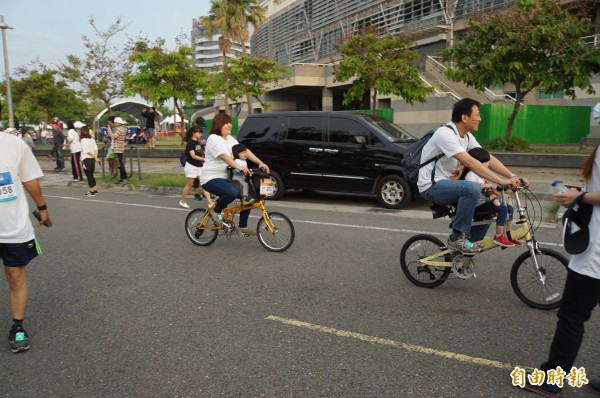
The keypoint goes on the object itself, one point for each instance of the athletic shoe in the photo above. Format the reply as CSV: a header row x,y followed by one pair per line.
x,y
502,240
18,340
463,245
545,390
122,182
247,231
517,243
217,218
594,385
89,193
184,205
197,196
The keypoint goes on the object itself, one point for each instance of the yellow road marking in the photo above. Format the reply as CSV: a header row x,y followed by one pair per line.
x,y
392,343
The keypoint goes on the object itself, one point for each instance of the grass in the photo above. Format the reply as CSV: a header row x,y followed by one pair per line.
x,y
153,179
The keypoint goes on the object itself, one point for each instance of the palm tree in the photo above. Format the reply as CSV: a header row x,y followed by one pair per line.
x,y
232,19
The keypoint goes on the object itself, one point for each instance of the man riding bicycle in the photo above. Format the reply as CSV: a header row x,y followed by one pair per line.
x,y
438,181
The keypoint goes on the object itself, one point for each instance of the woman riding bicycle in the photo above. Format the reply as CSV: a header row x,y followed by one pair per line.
x,y
218,157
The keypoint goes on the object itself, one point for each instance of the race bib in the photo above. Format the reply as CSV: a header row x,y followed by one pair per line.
x,y
7,187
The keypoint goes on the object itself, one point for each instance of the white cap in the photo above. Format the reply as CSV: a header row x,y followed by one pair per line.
x,y
10,130
118,120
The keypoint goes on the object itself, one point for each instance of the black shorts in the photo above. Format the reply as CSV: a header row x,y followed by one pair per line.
x,y
19,254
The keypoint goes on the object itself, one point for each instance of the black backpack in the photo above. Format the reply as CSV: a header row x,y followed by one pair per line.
x,y
412,157
183,158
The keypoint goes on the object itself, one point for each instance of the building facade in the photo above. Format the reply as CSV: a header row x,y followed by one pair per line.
x,y
206,51
304,35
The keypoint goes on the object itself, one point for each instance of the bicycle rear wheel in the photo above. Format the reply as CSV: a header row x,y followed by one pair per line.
x,y
543,291
275,232
196,231
416,248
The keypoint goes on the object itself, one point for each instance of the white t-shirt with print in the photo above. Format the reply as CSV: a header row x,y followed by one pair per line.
x,y
73,137
588,262
214,166
17,165
445,141
88,145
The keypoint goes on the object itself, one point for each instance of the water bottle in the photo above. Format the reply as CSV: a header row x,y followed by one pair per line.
x,y
558,187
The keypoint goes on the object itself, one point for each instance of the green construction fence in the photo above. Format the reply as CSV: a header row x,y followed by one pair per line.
x,y
537,124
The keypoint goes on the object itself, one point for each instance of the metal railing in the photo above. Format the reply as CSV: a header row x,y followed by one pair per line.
x,y
432,61
103,154
139,164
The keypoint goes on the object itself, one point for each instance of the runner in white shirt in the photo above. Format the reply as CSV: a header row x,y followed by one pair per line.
x,y
19,172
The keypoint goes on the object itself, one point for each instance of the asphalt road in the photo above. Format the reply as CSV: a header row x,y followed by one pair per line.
x,y
123,304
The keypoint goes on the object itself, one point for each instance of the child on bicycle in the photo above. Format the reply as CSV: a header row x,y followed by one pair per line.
x,y
240,154
489,201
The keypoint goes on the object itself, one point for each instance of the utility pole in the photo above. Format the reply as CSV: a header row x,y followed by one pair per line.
x,y
4,26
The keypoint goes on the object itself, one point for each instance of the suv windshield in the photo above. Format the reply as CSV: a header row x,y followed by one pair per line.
x,y
391,131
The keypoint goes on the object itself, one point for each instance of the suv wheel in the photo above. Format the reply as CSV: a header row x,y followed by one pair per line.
x,y
393,192
278,188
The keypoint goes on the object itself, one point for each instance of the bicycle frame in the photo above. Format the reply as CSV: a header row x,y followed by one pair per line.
x,y
523,232
229,214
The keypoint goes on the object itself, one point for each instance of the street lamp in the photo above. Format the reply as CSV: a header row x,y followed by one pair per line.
x,y
4,26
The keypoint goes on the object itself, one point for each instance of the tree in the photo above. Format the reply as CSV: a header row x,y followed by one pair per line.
x,y
39,94
246,75
163,75
100,74
380,66
232,18
534,43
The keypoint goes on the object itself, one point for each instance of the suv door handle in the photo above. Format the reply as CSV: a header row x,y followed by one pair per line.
x,y
331,150
315,149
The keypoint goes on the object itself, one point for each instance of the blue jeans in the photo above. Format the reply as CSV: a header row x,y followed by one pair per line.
x,y
459,193
60,160
227,193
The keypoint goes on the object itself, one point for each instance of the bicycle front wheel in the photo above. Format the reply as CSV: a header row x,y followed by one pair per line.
x,y
275,232
196,231
416,248
544,289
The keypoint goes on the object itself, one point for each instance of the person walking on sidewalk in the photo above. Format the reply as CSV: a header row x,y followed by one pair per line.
x,y
150,115
119,138
74,144
19,172
89,158
193,164
58,140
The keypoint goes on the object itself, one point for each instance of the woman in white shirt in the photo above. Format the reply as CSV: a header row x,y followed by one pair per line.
x,y
89,158
582,288
75,147
218,156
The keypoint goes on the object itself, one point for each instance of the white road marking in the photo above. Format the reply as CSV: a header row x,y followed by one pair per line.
x,y
331,224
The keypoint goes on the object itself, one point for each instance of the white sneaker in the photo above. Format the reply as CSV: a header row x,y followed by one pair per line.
x,y
184,205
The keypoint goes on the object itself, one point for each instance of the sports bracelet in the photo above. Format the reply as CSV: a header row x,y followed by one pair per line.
x,y
42,207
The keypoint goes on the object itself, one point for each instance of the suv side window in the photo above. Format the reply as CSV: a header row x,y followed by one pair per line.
x,y
261,126
304,128
344,130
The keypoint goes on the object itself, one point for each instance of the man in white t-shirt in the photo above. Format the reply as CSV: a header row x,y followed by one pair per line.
x,y
19,172
438,181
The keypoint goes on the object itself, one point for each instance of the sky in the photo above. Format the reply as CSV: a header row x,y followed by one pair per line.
x,y
51,29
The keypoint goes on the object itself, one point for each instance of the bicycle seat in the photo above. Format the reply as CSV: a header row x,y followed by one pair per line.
x,y
444,210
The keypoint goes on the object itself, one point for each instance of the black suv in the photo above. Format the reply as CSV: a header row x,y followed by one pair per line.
x,y
331,151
